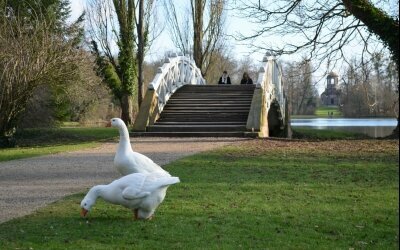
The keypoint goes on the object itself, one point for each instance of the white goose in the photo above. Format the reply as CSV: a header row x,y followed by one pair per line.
x,y
142,193
126,161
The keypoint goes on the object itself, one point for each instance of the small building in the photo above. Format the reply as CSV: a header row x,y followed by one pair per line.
x,y
331,95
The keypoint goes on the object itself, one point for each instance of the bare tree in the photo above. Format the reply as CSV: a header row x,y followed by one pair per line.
x,y
76,100
206,37
145,25
31,54
325,28
368,88
322,28
123,27
224,60
301,92
179,26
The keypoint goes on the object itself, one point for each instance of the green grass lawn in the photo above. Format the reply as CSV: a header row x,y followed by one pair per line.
x,y
260,194
35,142
321,112
324,110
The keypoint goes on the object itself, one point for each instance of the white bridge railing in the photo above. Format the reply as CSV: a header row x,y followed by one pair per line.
x,y
175,72
270,80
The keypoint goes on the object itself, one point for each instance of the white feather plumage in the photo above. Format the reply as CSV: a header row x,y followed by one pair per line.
x,y
142,193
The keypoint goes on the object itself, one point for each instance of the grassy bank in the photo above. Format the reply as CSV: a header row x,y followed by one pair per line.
x,y
35,142
259,194
325,134
322,112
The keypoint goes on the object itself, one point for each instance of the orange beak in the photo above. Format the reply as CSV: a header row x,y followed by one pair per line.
x,y
108,124
84,212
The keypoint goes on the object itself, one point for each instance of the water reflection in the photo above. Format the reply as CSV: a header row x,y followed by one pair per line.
x,y
374,127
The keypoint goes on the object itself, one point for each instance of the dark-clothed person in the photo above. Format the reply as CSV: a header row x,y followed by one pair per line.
x,y
224,79
246,79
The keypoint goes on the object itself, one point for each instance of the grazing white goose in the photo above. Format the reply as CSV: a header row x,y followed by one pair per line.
x,y
142,193
126,161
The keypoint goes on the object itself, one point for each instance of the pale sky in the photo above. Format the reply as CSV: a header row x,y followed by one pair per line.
x,y
233,25
163,43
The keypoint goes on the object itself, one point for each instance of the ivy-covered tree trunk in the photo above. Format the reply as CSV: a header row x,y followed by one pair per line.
x,y
126,108
378,22
382,25
125,10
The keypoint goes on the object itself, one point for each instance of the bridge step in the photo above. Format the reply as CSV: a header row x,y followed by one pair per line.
x,y
219,87
206,108
192,102
199,111
196,128
189,134
201,123
205,112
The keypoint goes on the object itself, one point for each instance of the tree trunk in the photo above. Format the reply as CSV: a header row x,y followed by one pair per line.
x,y
126,109
125,12
395,132
140,52
7,133
198,33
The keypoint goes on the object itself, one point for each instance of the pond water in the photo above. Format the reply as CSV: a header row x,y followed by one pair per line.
x,y
374,127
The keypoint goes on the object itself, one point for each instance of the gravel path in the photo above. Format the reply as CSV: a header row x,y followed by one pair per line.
x,y
28,184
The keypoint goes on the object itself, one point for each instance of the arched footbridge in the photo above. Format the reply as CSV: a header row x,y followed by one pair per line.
x,y
178,102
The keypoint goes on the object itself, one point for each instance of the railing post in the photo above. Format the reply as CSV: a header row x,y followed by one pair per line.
x,y
172,75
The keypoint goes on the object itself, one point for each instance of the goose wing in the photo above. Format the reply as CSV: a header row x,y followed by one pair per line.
x,y
134,189
145,163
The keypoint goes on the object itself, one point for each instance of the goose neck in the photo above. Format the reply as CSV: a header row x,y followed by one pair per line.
x,y
96,191
124,142
123,134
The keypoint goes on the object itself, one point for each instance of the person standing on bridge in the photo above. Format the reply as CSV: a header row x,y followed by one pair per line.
x,y
246,79
224,79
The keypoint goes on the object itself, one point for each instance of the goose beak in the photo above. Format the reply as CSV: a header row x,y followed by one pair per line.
x,y
108,124
84,212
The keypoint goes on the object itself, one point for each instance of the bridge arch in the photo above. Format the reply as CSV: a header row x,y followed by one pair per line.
x,y
176,72
267,115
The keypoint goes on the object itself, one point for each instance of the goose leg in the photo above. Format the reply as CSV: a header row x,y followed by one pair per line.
x,y
135,214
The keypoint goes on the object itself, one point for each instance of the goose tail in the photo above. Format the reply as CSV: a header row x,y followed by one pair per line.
x,y
166,181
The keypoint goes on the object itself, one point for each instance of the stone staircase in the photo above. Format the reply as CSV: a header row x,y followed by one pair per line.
x,y
204,110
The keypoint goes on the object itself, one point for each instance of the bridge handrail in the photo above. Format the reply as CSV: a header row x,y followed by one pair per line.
x,y
270,80
177,71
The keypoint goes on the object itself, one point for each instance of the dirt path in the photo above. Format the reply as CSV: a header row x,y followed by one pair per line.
x,y
28,184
